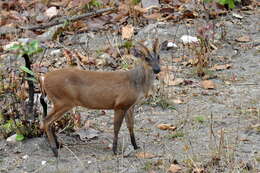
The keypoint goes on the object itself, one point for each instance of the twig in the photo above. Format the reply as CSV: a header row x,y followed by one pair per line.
x,y
40,168
75,156
71,19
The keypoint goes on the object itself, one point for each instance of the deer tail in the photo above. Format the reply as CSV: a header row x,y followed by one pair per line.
x,y
41,81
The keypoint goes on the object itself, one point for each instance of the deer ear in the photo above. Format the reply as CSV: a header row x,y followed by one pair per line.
x,y
137,53
156,46
143,49
140,51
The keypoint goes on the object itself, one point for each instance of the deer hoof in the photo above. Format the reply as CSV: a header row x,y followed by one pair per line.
x,y
136,147
55,151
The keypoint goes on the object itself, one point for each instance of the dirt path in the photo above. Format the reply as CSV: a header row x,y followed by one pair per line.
x,y
218,130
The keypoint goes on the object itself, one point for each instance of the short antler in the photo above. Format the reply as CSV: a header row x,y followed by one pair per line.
x,y
156,47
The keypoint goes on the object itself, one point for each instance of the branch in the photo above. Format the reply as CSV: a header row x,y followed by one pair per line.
x,y
71,19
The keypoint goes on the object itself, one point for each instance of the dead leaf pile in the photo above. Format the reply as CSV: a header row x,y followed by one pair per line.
x,y
166,127
144,155
174,168
208,84
221,67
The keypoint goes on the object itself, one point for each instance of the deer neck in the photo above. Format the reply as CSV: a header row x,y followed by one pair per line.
x,y
142,78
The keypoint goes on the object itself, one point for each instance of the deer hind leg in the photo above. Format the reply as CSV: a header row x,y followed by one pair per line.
x,y
129,119
118,119
56,113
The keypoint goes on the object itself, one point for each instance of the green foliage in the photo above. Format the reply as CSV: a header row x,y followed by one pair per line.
x,y
148,165
8,126
25,69
200,119
21,129
19,137
93,4
160,101
207,1
1,117
30,48
230,3
135,2
124,65
128,44
177,134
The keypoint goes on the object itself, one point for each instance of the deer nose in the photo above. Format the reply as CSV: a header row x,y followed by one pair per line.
x,y
156,70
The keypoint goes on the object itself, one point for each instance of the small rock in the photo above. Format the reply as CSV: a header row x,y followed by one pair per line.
x,y
24,40
43,162
12,138
51,12
8,46
86,134
189,39
150,3
171,45
56,52
237,15
25,157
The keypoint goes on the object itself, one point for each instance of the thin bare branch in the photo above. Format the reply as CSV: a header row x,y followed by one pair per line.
x,y
70,19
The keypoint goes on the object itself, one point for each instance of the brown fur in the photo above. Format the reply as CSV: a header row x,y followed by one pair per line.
x,y
120,91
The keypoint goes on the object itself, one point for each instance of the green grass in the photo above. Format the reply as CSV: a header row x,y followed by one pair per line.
x,y
200,119
175,135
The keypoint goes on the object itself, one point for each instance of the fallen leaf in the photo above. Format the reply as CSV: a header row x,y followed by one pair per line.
x,y
127,31
244,139
174,168
153,16
166,127
255,126
100,62
177,59
175,82
68,56
84,59
198,170
140,9
193,61
244,38
208,84
177,101
221,67
144,155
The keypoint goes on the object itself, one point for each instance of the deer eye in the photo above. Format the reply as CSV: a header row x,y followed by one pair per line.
x,y
147,59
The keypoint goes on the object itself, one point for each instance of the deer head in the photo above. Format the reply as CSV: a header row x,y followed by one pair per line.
x,y
150,58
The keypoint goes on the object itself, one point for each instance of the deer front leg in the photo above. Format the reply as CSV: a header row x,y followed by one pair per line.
x,y
129,119
118,119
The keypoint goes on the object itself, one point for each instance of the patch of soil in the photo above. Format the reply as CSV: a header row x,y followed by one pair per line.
x,y
217,130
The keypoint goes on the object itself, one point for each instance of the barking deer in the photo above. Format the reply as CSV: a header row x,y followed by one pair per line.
x,y
119,90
